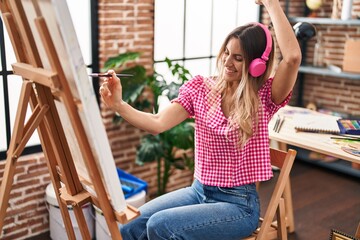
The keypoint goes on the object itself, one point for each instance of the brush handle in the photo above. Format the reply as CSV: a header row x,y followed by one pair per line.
x,y
109,75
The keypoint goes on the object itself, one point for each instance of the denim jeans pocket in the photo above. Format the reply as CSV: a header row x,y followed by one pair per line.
x,y
237,191
245,197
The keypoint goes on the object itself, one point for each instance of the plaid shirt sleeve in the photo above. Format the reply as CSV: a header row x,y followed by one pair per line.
x,y
265,95
188,92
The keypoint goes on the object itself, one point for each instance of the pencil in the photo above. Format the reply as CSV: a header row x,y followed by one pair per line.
x,y
109,75
280,124
276,123
342,135
345,138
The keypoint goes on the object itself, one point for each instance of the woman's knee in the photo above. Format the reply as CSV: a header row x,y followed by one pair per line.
x,y
158,227
127,232
134,230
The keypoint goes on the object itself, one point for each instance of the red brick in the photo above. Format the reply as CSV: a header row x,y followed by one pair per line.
x,y
16,235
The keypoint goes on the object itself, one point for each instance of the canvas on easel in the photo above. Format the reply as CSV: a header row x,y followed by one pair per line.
x,y
65,111
58,19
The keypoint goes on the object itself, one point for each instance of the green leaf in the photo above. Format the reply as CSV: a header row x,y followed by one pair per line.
x,y
142,105
139,77
182,135
133,87
132,93
173,90
119,60
168,62
117,119
150,149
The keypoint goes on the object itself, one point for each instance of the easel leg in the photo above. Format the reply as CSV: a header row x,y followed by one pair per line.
x,y
11,160
113,227
67,221
81,222
5,189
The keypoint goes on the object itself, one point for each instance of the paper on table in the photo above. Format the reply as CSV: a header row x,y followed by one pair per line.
x,y
316,123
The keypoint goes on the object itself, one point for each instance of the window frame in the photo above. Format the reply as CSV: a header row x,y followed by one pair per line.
x,y
211,57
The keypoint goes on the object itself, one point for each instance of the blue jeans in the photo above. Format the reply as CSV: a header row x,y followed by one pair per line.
x,y
197,212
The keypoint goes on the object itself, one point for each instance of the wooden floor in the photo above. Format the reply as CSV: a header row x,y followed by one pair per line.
x,y
322,199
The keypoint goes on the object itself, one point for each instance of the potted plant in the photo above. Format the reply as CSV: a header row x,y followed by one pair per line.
x,y
171,149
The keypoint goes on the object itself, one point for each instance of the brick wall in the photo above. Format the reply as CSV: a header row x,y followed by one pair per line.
x,y
27,214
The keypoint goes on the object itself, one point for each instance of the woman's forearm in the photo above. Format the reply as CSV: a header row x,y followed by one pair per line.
x,y
152,123
288,44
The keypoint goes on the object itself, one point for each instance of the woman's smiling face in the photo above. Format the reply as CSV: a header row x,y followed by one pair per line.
x,y
233,61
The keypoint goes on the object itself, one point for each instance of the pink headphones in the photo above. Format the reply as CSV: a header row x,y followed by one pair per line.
x,y
258,65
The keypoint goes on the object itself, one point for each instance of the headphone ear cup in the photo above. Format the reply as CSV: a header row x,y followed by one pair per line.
x,y
257,67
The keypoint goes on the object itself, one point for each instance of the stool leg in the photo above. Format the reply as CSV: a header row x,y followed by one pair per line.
x,y
357,234
289,207
281,223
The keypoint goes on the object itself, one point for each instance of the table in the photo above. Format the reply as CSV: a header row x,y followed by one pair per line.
x,y
317,142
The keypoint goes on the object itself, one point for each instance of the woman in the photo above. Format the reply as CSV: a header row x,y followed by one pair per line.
x,y
231,113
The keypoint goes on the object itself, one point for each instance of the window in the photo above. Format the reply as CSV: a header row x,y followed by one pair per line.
x,y
10,84
191,32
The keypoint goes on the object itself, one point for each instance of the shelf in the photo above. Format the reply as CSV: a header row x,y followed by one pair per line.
x,y
328,72
329,21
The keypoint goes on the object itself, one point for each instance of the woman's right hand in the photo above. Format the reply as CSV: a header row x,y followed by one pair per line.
x,y
111,91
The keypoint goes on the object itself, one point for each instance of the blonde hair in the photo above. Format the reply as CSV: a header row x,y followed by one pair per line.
x,y
245,102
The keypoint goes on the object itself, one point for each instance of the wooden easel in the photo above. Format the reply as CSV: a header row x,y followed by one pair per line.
x,y
41,88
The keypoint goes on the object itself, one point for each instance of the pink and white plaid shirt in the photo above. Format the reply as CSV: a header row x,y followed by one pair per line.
x,y
218,159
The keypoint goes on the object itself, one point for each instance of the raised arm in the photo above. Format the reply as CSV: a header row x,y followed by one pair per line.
x,y
111,93
286,73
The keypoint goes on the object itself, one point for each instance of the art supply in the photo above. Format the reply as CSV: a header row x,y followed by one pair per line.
x,y
109,75
352,151
278,124
346,138
349,126
316,123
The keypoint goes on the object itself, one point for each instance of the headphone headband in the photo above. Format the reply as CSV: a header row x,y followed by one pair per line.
x,y
258,65
268,48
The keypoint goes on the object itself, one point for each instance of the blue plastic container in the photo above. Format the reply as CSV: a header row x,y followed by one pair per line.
x,y
130,184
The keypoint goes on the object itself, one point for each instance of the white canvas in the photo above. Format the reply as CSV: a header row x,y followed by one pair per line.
x,y
59,23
